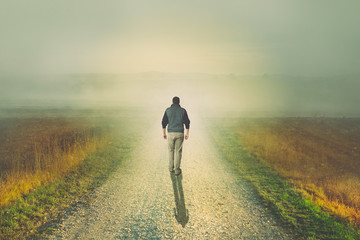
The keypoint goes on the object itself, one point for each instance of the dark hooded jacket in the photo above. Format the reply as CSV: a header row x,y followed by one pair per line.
x,y
175,117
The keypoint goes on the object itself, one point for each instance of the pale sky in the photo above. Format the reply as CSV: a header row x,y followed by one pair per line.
x,y
230,36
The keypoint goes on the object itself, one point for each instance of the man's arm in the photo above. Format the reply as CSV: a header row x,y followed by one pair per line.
x,y
186,121
164,122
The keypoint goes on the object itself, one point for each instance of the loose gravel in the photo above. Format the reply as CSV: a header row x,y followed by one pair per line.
x,y
142,200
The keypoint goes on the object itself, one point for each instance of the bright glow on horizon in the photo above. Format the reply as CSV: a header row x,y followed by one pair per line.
x,y
160,55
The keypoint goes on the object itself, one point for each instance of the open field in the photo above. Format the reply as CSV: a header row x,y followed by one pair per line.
x,y
54,157
39,145
280,194
38,150
321,156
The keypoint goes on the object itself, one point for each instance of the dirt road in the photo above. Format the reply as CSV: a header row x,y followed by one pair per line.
x,y
142,200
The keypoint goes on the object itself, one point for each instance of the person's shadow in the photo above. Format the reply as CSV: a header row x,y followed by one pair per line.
x,y
181,213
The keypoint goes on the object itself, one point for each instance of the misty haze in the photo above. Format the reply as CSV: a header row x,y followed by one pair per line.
x,y
271,90
262,95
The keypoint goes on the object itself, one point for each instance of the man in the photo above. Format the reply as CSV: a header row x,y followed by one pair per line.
x,y
175,117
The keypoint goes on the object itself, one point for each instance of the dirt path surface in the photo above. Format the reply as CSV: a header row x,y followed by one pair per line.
x,y
142,200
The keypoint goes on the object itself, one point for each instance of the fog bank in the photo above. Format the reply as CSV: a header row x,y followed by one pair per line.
x,y
275,95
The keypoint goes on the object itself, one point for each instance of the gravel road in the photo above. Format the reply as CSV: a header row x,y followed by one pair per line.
x,y
142,200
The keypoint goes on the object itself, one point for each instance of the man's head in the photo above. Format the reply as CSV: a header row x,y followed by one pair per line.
x,y
176,100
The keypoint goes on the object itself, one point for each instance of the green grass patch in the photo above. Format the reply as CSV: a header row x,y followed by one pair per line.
x,y
301,216
25,218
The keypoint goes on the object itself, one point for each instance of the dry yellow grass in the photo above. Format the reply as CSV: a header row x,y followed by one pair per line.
x,y
320,155
37,151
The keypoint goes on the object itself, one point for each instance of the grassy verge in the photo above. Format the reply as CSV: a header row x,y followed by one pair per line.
x,y
305,218
24,218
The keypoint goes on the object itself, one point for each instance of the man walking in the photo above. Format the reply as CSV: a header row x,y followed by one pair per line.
x,y
175,117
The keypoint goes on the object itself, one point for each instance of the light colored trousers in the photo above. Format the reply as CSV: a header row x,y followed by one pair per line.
x,y
176,140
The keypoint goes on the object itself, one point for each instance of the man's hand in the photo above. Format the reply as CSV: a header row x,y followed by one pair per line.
x,y
187,134
164,133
